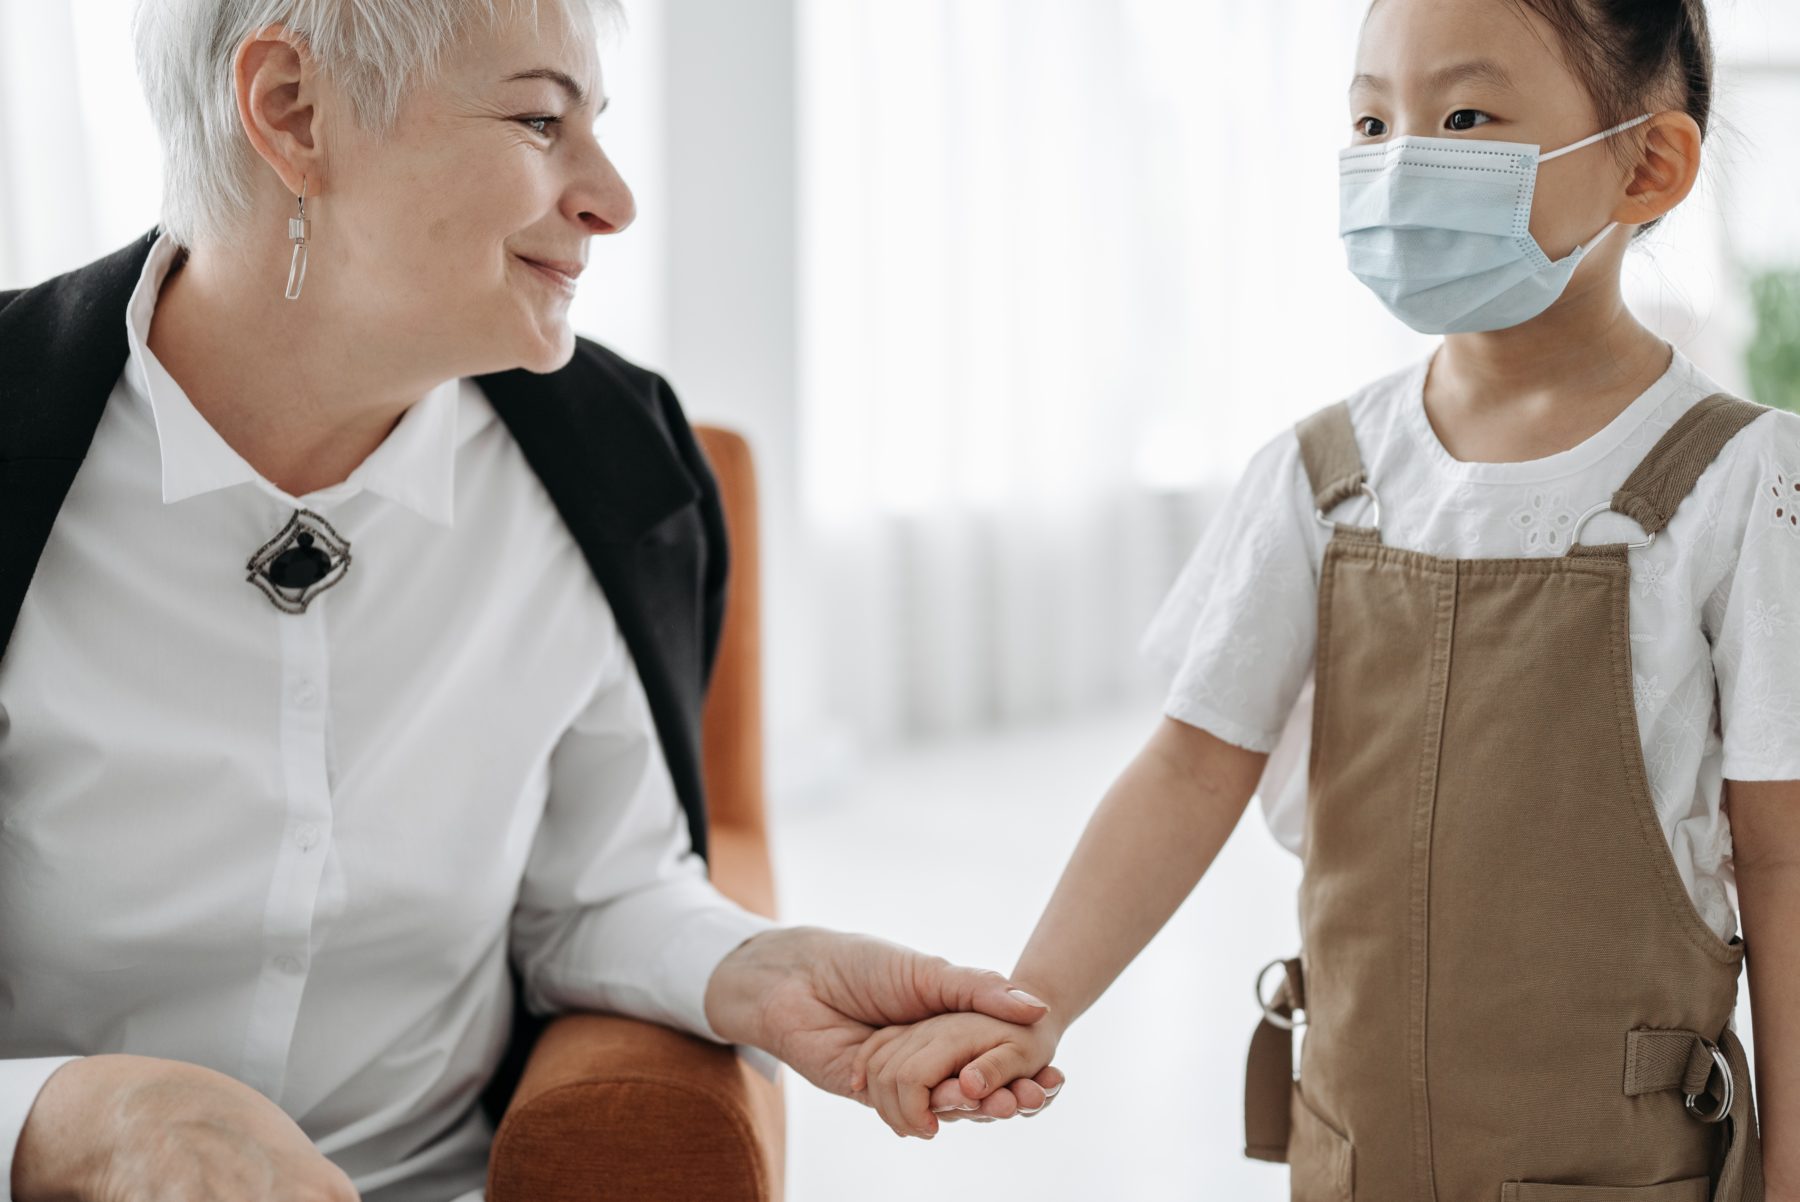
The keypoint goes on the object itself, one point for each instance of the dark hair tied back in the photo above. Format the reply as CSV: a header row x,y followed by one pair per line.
x,y
1635,56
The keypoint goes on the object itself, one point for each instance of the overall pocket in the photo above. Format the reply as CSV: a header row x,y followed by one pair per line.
x,y
1321,1161
1689,1189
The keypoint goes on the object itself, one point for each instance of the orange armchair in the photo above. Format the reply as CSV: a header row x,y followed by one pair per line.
x,y
617,1109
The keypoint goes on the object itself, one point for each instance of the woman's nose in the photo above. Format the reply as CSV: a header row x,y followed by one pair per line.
x,y
603,202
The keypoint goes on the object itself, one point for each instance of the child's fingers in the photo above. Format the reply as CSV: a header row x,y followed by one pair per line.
x,y
884,1091
915,1076
859,1067
994,1068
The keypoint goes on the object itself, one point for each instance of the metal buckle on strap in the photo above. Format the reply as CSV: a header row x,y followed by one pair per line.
x,y
1603,507
1280,1020
1724,1067
1374,523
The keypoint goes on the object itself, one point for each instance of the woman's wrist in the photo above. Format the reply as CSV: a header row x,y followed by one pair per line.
x,y
62,1143
748,978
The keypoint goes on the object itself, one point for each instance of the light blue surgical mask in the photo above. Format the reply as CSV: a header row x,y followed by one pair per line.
x,y
1440,230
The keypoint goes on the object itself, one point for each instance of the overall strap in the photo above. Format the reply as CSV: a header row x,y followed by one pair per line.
x,y
1685,1061
1668,473
1269,1069
1334,466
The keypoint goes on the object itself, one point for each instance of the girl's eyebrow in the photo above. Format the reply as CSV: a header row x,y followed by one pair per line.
x,y
1481,70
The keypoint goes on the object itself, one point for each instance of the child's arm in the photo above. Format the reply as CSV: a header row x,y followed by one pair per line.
x,y
1151,839
1765,837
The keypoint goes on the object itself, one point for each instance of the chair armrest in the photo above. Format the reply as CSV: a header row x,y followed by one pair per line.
x,y
616,1108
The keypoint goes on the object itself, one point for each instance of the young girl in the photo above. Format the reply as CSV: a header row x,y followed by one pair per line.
x,y
1555,620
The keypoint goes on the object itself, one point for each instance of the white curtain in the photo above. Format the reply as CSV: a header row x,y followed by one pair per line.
x,y
1066,264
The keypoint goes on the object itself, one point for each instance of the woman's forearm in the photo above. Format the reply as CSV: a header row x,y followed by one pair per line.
x,y
1150,841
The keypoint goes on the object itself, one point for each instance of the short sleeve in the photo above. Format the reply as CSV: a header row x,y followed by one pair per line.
x,y
1240,624
1753,616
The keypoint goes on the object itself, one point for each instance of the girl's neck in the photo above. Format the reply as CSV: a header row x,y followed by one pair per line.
x,y
1542,387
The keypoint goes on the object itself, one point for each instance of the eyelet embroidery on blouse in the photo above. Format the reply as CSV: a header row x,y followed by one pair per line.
x,y
1764,619
1647,692
1782,502
1544,523
1649,577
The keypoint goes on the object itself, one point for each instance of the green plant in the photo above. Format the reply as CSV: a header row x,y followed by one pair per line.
x,y
1773,356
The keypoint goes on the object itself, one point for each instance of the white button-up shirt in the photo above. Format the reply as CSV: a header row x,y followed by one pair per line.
x,y
298,847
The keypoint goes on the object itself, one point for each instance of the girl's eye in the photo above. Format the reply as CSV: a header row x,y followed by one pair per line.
x,y
1457,122
1371,127
532,122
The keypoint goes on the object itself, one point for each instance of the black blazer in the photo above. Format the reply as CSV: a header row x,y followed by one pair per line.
x,y
606,437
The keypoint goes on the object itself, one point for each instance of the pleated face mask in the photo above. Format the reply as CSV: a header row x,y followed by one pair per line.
x,y
1440,230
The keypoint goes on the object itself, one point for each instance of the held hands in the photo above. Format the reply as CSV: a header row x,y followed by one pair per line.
x,y
950,1063
814,997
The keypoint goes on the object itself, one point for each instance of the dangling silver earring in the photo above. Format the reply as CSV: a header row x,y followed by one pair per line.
x,y
298,228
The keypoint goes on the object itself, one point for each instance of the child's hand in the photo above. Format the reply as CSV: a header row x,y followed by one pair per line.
x,y
897,1067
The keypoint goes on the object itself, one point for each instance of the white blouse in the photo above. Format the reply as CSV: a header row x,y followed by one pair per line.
x,y
1715,600
299,848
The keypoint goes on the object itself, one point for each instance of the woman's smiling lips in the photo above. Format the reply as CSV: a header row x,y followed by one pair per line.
x,y
561,273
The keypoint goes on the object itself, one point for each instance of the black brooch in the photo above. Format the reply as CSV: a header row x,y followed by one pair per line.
x,y
301,562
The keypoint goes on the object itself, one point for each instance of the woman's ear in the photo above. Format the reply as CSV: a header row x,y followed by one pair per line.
x,y
1668,168
277,103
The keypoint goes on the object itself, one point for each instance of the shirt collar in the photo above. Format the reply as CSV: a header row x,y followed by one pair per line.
x,y
415,465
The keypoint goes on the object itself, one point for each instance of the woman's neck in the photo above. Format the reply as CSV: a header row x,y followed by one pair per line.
x,y
1545,386
249,362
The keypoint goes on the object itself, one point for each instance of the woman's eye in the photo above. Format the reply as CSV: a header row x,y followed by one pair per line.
x,y
1457,119
1371,127
533,122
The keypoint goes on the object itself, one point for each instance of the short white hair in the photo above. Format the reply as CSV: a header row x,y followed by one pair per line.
x,y
375,51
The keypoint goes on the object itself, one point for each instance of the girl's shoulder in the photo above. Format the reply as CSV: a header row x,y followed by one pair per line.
x,y
1767,445
1760,468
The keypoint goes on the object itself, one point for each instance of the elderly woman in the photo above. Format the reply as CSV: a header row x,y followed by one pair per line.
x,y
356,617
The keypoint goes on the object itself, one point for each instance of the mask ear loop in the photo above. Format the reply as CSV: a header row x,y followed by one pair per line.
x,y
1589,245
1599,137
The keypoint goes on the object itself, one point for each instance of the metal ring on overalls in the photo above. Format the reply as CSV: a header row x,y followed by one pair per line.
x,y
1280,1020
1374,521
1725,1101
1603,507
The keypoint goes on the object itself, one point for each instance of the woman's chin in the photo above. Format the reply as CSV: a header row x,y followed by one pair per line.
x,y
547,347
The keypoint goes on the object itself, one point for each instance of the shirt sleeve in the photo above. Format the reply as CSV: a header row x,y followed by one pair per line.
x,y
615,911
1239,627
1753,616
20,1083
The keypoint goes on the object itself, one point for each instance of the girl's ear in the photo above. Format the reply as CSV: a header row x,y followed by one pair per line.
x,y
1667,170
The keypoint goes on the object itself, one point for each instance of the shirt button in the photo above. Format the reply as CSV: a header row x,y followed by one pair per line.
x,y
304,694
287,964
307,837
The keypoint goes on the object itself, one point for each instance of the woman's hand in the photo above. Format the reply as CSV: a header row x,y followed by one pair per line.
x,y
120,1128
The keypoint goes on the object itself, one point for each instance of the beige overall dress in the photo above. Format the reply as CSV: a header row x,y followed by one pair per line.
x,y
1508,995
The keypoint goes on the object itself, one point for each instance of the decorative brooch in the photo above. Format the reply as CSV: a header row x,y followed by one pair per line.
x,y
301,562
